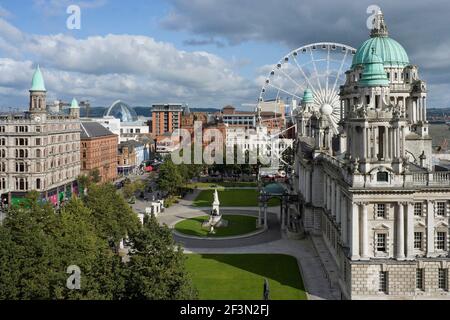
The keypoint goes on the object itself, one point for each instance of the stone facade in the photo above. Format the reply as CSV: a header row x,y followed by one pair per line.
x,y
370,188
39,151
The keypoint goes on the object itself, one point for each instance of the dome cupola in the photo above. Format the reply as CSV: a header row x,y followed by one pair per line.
x,y
390,51
373,74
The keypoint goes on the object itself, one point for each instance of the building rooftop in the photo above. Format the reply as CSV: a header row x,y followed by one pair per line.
x,y
94,130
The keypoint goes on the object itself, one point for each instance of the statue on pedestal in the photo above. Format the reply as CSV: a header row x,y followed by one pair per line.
x,y
215,218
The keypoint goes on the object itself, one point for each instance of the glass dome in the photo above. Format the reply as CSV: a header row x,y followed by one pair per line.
x,y
122,111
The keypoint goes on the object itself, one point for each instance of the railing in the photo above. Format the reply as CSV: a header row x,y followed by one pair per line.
x,y
436,178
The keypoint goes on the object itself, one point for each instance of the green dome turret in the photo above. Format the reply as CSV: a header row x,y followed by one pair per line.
x,y
390,51
37,84
74,104
373,74
308,96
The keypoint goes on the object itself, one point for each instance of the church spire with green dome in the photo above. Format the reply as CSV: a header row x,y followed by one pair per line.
x,y
373,74
37,83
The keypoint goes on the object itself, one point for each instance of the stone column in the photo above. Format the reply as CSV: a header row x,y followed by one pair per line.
x,y
375,144
410,231
338,205
344,219
333,198
424,109
395,143
364,232
308,186
430,228
365,146
354,227
400,243
328,193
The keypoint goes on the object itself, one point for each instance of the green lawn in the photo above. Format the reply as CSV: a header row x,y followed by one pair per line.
x,y
237,224
232,198
241,276
212,185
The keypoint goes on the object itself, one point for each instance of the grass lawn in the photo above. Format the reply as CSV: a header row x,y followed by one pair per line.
x,y
212,185
232,198
237,224
241,276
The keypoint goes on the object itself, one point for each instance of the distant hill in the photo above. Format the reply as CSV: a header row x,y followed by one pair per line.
x,y
97,112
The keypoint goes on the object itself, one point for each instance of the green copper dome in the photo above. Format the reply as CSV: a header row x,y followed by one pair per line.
x,y
37,84
373,74
74,104
389,50
308,96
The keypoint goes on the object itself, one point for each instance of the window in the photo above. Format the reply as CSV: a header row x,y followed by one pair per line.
x,y
418,208
38,141
3,142
21,153
21,142
383,281
2,153
381,210
440,209
382,177
2,129
442,280
38,153
418,236
21,129
419,278
440,241
21,184
38,184
381,242
21,167
38,128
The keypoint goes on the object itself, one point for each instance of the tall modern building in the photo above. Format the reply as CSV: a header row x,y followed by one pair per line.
x,y
166,118
372,191
39,150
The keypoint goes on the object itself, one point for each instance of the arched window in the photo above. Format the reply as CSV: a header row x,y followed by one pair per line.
x,y
382,176
38,183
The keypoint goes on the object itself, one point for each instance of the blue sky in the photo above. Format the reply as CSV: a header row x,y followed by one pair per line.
x,y
205,52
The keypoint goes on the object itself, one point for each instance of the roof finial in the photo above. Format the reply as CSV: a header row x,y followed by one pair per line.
x,y
379,28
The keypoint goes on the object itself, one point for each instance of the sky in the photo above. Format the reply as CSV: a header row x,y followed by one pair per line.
x,y
207,53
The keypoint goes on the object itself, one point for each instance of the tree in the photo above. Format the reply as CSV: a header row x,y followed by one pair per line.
x,y
169,179
94,176
113,217
38,245
156,268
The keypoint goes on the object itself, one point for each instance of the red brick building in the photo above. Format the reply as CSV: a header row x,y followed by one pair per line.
x,y
98,151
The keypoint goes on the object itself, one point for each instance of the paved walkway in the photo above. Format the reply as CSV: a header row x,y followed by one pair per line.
x,y
312,269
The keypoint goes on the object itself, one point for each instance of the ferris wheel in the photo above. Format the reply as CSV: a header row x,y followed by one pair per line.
x,y
319,67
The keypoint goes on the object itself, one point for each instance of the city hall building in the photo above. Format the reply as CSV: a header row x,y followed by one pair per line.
x,y
371,190
39,150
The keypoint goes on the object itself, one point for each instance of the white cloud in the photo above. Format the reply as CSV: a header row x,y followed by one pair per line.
x,y
138,69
